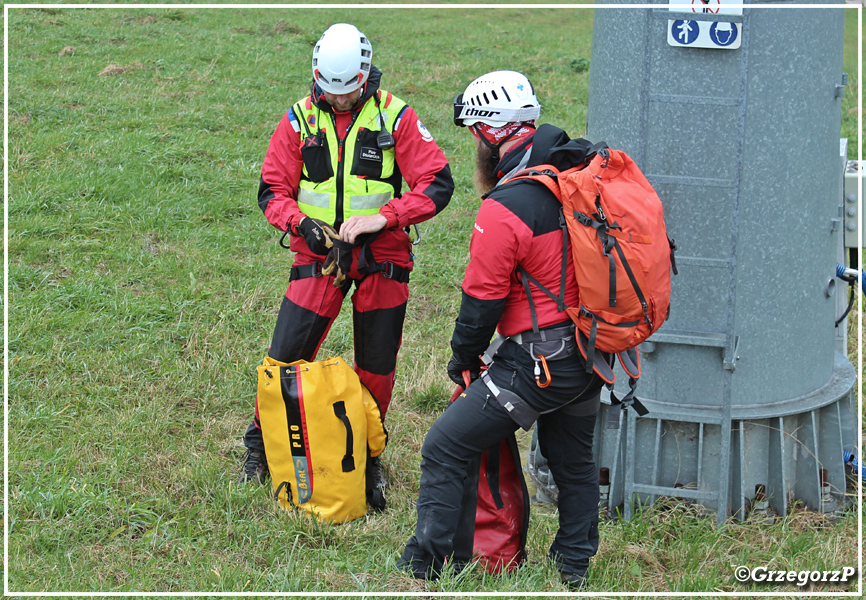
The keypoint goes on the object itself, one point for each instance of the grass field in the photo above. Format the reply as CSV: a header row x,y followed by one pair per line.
x,y
144,283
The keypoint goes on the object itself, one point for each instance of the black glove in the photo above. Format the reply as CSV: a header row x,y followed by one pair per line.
x,y
339,261
319,235
460,363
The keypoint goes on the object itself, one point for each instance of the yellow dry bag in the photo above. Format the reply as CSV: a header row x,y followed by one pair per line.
x,y
317,422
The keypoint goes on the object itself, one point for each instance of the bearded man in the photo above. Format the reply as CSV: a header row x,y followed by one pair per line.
x,y
517,244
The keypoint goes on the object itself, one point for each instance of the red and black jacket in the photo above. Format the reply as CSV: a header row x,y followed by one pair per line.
x,y
419,159
518,224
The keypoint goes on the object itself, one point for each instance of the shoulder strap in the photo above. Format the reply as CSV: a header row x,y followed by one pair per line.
x,y
547,174
544,174
525,277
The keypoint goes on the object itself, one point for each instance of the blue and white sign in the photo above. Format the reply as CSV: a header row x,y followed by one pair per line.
x,y
705,34
685,32
724,34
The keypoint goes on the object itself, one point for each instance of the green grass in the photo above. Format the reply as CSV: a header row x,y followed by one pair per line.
x,y
144,284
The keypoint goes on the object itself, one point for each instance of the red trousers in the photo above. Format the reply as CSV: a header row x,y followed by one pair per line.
x,y
308,310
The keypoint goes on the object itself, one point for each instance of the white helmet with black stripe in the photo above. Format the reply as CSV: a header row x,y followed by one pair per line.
x,y
497,98
342,59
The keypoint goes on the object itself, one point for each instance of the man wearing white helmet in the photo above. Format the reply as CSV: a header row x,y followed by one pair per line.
x,y
517,246
332,180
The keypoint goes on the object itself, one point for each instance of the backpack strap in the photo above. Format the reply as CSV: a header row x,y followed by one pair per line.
x,y
609,237
630,359
605,231
284,485
525,277
634,284
630,362
673,244
626,402
586,345
543,174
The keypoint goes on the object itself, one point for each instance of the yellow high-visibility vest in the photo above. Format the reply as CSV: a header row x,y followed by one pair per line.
x,y
349,177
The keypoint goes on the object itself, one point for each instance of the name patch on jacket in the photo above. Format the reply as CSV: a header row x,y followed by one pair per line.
x,y
374,154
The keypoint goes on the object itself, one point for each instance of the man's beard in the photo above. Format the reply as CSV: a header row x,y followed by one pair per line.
x,y
486,160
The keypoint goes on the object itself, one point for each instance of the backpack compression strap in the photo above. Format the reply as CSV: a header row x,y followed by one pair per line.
x,y
629,400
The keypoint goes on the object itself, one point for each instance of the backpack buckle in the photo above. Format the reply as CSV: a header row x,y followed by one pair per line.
x,y
604,153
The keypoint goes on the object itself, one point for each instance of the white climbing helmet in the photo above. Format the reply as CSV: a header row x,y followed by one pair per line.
x,y
342,59
497,98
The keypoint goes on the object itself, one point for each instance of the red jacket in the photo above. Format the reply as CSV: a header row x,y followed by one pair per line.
x,y
420,160
518,224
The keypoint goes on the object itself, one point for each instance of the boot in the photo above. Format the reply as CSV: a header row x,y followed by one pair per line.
x,y
255,467
574,581
375,484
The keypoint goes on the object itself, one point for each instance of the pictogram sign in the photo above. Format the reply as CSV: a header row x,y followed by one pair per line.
x,y
689,33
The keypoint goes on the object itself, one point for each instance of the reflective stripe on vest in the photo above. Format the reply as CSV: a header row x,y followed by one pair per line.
x,y
369,201
313,200
364,191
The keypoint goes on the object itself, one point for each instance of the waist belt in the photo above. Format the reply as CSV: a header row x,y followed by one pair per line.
x,y
313,269
387,269
557,342
543,335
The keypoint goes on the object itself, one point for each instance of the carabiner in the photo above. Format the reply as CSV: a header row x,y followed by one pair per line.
x,y
537,372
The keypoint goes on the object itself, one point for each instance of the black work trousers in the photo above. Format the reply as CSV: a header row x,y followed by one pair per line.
x,y
476,421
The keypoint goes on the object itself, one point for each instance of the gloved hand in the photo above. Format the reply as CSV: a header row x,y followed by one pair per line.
x,y
460,363
319,235
339,261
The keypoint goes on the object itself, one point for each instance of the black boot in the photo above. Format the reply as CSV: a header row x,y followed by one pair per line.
x,y
255,467
574,581
375,484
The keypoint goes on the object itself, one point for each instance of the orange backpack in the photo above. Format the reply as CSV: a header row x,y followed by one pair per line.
x,y
621,255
